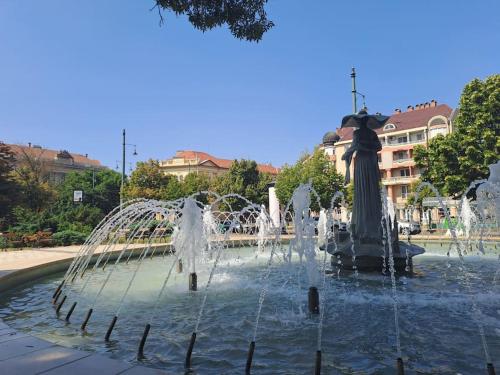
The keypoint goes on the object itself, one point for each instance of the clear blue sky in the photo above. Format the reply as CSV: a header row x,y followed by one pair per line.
x,y
74,73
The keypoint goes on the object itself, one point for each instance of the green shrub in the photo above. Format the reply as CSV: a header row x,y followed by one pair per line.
x,y
3,242
69,237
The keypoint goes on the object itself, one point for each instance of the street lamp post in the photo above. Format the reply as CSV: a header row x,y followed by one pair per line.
x,y
124,146
355,92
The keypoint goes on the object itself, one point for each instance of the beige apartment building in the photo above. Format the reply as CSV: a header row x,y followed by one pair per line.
x,y
53,165
404,130
185,162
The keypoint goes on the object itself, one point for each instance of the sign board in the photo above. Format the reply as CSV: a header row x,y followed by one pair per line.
x,y
77,196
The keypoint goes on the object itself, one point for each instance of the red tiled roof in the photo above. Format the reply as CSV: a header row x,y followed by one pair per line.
x,y
51,155
202,157
404,120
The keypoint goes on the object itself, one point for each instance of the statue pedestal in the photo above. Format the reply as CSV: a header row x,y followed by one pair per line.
x,y
370,257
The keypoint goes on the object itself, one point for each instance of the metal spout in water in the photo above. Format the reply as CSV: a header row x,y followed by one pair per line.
x,y
110,328
491,369
250,358
140,352
58,289
60,305
179,266
193,281
400,366
313,299
72,308
317,369
56,297
84,324
190,350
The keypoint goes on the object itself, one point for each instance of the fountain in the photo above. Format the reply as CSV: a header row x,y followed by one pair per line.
x,y
190,293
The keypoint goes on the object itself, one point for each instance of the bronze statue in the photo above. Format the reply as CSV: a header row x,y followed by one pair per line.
x,y
367,207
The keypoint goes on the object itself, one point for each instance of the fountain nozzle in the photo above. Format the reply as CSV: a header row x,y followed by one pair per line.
x,y
179,266
250,358
313,299
491,369
317,370
68,315
190,350
60,305
110,328
193,281
140,353
400,366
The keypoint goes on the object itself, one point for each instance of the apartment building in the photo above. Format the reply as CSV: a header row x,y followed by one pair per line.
x,y
53,164
185,162
402,132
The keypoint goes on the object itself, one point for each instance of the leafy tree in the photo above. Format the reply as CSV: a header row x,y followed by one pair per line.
x,y
35,192
453,161
245,19
243,178
315,168
101,188
195,182
425,192
146,181
172,190
8,190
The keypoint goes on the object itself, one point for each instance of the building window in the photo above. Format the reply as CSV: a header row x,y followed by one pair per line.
x,y
405,172
403,139
420,136
389,127
401,155
404,191
437,121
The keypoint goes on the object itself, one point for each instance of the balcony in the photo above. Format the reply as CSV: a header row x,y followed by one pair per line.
x,y
399,180
402,160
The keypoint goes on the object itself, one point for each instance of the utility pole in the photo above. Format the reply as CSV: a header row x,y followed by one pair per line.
x,y
354,92
124,147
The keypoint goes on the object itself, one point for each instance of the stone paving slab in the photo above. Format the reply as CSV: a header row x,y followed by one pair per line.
x,y
92,364
10,334
21,346
40,360
139,370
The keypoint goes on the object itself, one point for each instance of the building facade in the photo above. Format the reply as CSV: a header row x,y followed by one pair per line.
x,y
402,132
185,162
53,165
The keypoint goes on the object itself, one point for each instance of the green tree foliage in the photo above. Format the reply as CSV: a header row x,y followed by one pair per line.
x,y
35,192
146,181
101,188
243,178
315,168
8,188
424,192
245,19
100,195
172,190
453,161
194,183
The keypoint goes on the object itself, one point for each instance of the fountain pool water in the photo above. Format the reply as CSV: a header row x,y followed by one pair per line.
x,y
436,331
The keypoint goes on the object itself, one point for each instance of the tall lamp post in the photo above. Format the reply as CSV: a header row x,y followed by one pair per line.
x,y
124,146
355,92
